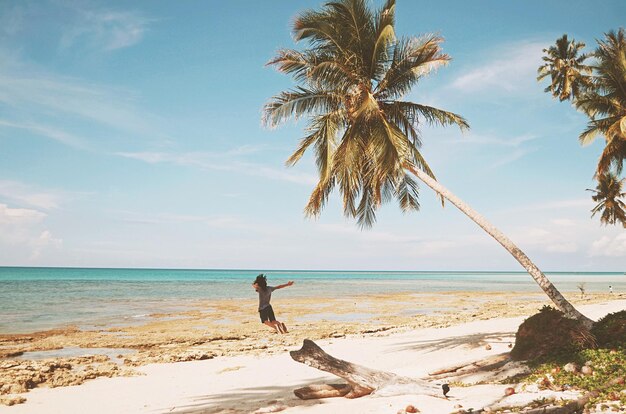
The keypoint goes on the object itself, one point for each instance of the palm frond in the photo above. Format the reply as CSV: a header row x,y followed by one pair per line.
x,y
412,59
297,103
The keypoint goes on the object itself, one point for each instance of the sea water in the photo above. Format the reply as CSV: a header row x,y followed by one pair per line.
x,y
34,299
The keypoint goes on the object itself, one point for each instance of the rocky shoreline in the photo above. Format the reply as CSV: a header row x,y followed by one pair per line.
x,y
231,328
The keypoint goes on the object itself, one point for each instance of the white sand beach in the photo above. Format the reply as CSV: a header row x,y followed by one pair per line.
x,y
265,383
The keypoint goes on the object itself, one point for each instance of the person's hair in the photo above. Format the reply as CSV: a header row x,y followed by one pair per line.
x,y
261,280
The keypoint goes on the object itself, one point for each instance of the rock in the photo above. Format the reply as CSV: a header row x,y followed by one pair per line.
x,y
488,347
411,409
586,370
509,391
510,345
458,406
571,367
12,400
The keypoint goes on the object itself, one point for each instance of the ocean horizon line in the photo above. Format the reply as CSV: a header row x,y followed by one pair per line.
x,y
308,270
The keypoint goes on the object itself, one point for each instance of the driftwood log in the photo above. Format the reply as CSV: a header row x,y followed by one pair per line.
x,y
360,380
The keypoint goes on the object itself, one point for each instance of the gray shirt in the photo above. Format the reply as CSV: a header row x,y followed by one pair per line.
x,y
264,297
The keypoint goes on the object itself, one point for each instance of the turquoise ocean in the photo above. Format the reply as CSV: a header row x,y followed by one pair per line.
x,y
33,299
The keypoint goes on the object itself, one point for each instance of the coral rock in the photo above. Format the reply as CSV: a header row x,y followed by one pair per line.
x,y
571,367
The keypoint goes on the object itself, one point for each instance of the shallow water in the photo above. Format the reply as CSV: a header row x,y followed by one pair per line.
x,y
34,299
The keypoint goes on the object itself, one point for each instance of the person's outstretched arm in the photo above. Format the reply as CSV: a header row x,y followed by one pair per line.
x,y
285,285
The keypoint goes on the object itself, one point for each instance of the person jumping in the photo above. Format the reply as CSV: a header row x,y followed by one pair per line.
x,y
265,309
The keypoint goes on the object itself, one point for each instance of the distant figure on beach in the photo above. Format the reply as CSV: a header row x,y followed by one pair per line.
x,y
265,309
610,289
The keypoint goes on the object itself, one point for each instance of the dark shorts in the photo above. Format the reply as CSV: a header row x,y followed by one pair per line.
x,y
267,314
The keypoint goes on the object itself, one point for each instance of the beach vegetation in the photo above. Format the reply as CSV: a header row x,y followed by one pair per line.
x,y
598,90
605,376
352,81
568,357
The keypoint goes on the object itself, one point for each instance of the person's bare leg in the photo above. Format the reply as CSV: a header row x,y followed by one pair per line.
x,y
278,326
272,325
283,327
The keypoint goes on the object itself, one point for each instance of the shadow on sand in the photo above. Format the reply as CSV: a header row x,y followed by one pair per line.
x,y
470,341
245,400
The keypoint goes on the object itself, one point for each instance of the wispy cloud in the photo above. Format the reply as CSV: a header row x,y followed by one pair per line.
x,y
510,68
105,29
511,157
574,204
48,132
222,161
62,108
36,94
476,139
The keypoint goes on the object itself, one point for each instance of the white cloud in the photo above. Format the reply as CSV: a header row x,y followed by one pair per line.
x,y
21,230
609,246
25,194
44,241
19,216
547,239
511,69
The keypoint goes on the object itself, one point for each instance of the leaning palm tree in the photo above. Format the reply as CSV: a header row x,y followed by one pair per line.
x,y
566,69
351,84
610,198
605,101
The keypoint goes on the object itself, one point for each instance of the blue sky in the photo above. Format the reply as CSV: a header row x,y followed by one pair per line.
x,y
130,136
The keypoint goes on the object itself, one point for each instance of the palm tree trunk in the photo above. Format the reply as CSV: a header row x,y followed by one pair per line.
x,y
544,283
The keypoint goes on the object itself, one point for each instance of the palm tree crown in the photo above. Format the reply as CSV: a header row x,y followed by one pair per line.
x,y
605,101
609,195
566,68
351,81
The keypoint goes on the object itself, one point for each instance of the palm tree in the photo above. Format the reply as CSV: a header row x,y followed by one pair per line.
x,y
609,195
351,82
566,68
605,101
598,90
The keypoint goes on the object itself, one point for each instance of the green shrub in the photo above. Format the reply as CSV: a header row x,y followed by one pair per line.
x,y
610,331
